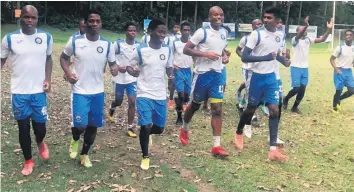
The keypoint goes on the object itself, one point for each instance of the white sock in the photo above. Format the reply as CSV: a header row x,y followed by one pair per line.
x,y
186,126
217,141
273,148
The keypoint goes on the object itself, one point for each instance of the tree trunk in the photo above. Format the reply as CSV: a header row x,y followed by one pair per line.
x,y
325,13
121,9
180,17
45,12
261,9
151,5
298,20
195,15
236,9
90,5
287,15
168,8
274,3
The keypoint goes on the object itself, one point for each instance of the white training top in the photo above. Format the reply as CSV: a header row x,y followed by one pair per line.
x,y
207,39
124,52
242,45
179,58
28,57
152,63
90,58
264,42
277,70
301,50
344,55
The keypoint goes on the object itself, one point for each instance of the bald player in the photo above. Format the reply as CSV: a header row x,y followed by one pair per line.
x,y
208,46
31,57
299,64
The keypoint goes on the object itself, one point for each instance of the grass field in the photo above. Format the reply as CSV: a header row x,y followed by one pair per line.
x,y
319,144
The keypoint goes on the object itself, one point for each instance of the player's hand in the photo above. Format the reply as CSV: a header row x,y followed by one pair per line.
x,y
136,72
307,21
225,59
72,78
122,69
212,56
338,71
330,24
287,53
65,77
175,67
227,52
114,70
287,63
46,85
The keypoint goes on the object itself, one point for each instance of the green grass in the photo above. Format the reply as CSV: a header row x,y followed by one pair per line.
x,y
319,144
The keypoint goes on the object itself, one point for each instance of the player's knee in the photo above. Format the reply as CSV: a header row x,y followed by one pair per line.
x,y
195,106
90,134
216,109
351,90
118,101
250,109
296,89
131,103
157,130
186,98
273,111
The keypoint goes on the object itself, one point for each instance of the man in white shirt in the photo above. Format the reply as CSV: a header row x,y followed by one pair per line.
x,y
182,71
91,53
31,58
124,82
262,52
208,46
343,75
151,62
299,65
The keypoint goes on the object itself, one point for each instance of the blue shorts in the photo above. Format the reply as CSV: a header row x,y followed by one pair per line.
x,y
224,75
151,111
280,86
209,85
263,87
88,110
183,80
30,105
299,76
130,88
345,79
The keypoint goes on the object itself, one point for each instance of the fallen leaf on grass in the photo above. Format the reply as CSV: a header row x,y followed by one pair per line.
x,y
21,181
306,185
158,175
154,166
263,188
17,150
70,190
210,180
40,175
319,182
197,180
146,178
71,182
134,175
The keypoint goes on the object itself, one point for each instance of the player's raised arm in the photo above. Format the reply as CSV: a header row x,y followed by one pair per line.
x,y
251,44
195,40
302,29
325,35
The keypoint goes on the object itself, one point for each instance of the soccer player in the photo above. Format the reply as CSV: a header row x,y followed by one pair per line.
x,y
31,57
299,65
257,23
182,71
91,52
262,53
343,75
151,62
176,32
124,81
208,82
82,27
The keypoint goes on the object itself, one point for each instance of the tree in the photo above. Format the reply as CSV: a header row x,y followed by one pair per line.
x,y
180,17
45,12
261,9
168,8
195,15
299,18
287,15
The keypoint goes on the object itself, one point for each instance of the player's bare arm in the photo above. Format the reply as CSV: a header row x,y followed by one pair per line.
x,y
333,63
64,63
170,73
48,73
189,50
302,30
133,72
248,58
114,68
325,35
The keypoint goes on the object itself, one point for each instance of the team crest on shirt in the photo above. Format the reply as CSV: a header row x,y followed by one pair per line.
x,y
38,40
222,36
277,39
162,57
100,49
78,118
